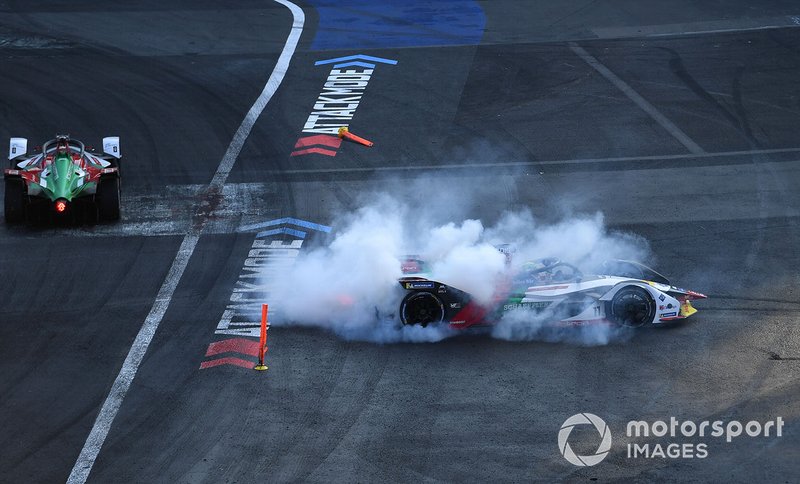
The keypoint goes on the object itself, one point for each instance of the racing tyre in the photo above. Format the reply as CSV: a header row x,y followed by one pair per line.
x,y
108,198
632,306
16,200
421,308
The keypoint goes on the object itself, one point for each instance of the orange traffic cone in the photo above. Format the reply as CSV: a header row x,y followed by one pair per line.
x,y
345,133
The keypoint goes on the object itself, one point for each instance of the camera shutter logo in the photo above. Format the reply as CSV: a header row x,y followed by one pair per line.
x,y
602,449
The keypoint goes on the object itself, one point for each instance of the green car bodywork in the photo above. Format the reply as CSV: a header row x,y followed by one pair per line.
x,y
64,180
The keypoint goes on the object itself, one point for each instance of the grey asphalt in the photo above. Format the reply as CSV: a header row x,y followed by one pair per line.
x,y
549,132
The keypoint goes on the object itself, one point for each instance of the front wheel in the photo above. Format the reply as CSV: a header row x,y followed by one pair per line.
x,y
421,308
632,306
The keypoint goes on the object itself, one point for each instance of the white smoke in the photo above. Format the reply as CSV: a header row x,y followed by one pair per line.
x,y
459,257
528,325
349,285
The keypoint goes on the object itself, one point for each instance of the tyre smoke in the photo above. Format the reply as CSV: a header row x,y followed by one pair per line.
x,y
348,285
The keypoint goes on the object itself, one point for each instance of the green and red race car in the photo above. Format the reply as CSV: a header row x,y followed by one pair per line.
x,y
62,181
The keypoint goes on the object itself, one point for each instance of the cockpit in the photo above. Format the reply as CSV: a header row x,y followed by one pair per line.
x,y
547,271
62,144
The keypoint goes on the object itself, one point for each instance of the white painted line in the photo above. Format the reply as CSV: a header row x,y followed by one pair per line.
x,y
455,166
91,448
723,31
634,96
270,87
712,27
108,412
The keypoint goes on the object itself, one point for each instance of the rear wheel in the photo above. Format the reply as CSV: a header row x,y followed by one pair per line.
x,y
16,201
421,308
632,306
107,198
90,213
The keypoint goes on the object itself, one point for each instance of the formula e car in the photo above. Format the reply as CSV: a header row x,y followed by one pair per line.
x,y
628,294
62,181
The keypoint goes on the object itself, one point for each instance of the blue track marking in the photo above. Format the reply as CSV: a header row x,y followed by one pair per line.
x,y
361,57
377,24
286,221
283,230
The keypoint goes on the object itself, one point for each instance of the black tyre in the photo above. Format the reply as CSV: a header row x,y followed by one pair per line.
x,y
107,199
16,201
89,213
632,306
421,308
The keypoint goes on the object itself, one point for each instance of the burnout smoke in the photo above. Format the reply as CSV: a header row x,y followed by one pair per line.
x,y
349,286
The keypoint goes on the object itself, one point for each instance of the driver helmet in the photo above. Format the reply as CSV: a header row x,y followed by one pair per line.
x,y
538,268
62,144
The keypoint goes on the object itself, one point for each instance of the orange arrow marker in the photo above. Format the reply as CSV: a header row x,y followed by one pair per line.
x,y
346,134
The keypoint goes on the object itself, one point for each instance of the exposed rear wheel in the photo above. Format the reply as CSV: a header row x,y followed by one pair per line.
x,y
108,198
421,308
632,306
15,201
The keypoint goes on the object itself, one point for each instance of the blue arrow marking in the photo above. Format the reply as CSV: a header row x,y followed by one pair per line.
x,y
289,221
355,63
283,230
356,57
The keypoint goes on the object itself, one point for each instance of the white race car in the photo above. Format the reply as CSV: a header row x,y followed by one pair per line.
x,y
627,294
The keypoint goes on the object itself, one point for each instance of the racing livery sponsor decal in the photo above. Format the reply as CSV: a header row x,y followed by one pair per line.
x,y
527,305
337,103
419,285
274,250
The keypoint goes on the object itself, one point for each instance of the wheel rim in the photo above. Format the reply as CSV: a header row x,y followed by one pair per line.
x,y
422,308
632,309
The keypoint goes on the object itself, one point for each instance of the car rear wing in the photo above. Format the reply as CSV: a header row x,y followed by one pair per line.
x,y
111,146
17,147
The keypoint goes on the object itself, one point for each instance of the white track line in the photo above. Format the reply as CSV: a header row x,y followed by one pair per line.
x,y
102,425
722,31
91,448
634,96
790,22
504,164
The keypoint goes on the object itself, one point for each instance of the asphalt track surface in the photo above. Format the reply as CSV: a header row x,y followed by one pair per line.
x,y
679,124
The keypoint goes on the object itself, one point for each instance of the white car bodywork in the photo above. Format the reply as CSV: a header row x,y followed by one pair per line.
x,y
602,289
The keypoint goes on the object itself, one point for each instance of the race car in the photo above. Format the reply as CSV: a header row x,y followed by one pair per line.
x,y
62,181
628,294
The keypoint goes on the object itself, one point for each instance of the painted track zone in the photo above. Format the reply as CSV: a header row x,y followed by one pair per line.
x,y
522,116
